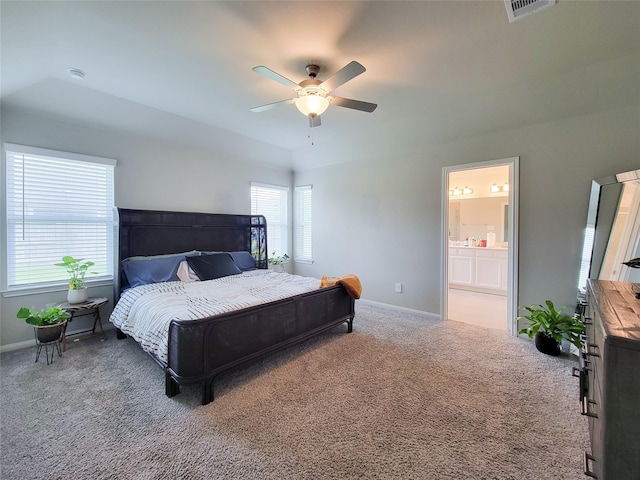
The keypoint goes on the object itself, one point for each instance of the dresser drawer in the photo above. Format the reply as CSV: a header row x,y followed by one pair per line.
x,y
610,364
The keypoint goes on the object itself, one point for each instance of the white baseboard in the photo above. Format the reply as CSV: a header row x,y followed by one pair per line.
x,y
428,315
17,346
32,343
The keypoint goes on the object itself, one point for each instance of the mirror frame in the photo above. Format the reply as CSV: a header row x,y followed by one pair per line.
x,y
603,207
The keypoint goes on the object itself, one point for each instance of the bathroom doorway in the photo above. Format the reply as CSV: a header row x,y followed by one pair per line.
x,y
479,211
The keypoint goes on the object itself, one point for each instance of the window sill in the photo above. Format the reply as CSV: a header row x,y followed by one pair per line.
x,y
25,291
303,260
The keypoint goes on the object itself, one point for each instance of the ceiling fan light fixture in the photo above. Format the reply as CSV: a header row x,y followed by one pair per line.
x,y
312,105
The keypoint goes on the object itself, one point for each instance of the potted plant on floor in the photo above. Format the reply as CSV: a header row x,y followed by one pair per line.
x,y
548,326
77,268
48,323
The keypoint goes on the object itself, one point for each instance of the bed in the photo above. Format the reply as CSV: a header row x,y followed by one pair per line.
x,y
200,349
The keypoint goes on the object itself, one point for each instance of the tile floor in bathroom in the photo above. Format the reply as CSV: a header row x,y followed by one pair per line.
x,y
478,309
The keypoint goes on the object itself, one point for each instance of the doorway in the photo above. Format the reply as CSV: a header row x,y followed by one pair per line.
x,y
479,212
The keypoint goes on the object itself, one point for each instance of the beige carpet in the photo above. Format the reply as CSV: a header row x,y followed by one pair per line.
x,y
401,397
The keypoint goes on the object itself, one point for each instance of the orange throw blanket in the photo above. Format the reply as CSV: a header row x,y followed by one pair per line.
x,y
350,282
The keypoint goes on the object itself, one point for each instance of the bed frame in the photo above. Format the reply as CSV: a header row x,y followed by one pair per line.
x,y
200,350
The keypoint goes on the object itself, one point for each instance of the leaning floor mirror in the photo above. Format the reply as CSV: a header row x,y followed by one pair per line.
x,y
612,235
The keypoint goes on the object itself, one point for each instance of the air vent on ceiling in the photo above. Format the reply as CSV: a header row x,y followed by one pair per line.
x,y
516,9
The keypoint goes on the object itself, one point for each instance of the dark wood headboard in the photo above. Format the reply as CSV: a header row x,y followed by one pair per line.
x,y
152,232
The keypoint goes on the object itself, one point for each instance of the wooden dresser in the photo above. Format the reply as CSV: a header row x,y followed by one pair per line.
x,y
610,381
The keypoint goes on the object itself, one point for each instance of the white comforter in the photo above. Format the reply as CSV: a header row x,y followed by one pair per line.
x,y
145,312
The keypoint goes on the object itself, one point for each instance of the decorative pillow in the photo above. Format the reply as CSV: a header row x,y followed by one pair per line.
x,y
156,270
185,273
217,265
243,260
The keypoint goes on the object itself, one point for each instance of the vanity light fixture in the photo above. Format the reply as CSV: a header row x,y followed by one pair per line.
x,y
467,191
457,191
497,189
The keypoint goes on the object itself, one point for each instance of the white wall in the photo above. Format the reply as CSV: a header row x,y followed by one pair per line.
x,y
150,174
380,218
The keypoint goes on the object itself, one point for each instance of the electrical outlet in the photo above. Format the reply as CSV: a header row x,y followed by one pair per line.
x,y
398,287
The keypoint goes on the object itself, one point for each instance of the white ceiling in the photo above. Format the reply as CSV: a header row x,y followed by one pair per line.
x,y
438,70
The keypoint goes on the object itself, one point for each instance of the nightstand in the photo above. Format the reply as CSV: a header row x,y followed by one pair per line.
x,y
89,307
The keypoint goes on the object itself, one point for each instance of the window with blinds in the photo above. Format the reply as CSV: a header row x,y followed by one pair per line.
x,y
57,204
302,222
585,263
271,201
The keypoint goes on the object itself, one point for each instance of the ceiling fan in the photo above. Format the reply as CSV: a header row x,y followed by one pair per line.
x,y
313,95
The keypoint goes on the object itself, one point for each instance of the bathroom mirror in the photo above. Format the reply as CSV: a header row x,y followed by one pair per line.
x,y
477,217
613,201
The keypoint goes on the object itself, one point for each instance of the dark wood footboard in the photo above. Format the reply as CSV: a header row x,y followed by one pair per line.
x,y
199,350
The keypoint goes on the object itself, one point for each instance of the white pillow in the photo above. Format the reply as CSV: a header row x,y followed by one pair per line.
x,y
185,273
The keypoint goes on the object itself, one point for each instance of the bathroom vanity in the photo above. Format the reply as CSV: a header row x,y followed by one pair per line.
x,y
479,269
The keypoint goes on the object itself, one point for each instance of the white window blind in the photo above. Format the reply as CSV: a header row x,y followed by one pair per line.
x,y
302,222
57,204
271,201
585,263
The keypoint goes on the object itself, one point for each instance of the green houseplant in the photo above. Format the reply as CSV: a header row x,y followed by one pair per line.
x,y
77,269
48,323
548,326
278,261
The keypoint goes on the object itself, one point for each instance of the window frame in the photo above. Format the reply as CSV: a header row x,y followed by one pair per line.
x,y
303,224
10,221
273,226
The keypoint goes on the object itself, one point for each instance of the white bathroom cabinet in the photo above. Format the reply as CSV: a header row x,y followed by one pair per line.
x,y
479,269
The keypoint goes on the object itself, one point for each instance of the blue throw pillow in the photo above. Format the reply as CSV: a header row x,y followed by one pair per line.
x,y
156,270
217,265
243,260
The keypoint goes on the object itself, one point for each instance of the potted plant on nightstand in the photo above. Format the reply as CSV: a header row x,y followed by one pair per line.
x,y
276,262
548,326
77,269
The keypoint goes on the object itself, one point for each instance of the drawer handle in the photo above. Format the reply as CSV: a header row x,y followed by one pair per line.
x,y
591,349
584,363
584,388
585,465
584,407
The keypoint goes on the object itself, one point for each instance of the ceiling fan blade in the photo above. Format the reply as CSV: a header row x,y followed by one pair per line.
x,y
267,72
354,104
269,106
314,121
343,75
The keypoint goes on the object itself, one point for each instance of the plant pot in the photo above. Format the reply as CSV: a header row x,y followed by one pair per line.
x,y
49,333
78,296
546,344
